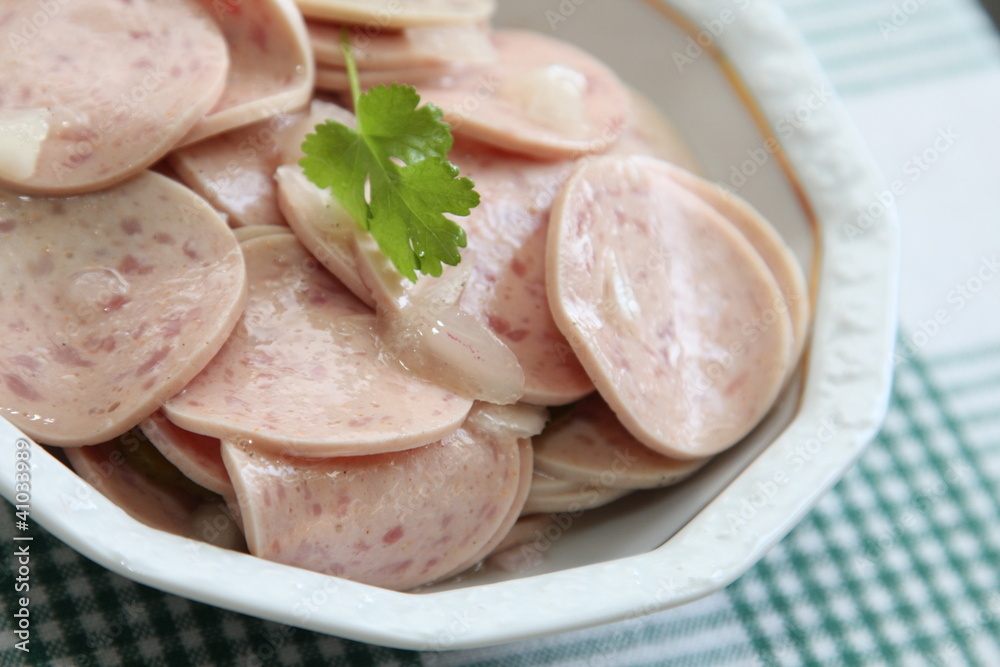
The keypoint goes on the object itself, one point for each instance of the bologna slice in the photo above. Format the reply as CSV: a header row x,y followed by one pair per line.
x,y
657,292
256,231
110,303
772,249
102,90
336,80
579,498
395,520
543,98
198,456
591,445
271,65
304,370
235,171
507,237
393,14
129,473
652,133
520,496
375,49
323,226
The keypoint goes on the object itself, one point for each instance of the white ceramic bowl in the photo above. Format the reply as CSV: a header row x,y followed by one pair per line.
x,y
732,74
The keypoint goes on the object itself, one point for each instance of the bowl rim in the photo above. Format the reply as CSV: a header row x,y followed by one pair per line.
x,y
842,404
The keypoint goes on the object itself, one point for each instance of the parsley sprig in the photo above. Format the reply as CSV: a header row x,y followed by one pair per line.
x,y
393,176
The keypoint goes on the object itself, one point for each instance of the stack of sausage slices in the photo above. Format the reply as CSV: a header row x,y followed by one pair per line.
x,y
218,348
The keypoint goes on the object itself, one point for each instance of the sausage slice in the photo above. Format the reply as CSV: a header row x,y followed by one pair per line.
x,y
271,72
304,371
668,306
76,119
109,304
392,14
590,445
543,98
393,520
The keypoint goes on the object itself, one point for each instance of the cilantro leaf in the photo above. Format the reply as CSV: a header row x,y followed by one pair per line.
x,y
393,176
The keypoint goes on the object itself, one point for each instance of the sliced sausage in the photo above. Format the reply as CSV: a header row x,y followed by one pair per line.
x,y
400,50
652,133
525,545
668,306
235,171
769,245
304,370
110,303
520,496
527,529
579,498
256,231
198,456
323,226
392,520
377,15
158,505
271,70
506,237
591,445
336,80
320,111
74,120
129,473
543,98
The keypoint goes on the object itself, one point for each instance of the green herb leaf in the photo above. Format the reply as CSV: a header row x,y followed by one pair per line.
x,y
393,176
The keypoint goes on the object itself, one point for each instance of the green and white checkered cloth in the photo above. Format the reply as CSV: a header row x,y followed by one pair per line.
x,y
899,565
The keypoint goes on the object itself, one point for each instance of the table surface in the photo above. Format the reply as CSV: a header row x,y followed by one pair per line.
x,y
899,564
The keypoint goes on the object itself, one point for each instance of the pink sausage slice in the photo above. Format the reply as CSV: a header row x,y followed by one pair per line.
x,y
393,520
769,245
323,226
392,14
102,90
412,47
109,304
657,293
544,98
591,445
199,457
256,231
235,171
272,69
304,371
335,79
652,133
166,502
155,504
520,496
506,237
581,497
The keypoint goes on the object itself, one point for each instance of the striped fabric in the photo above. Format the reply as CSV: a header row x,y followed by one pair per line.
x,y
899,565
